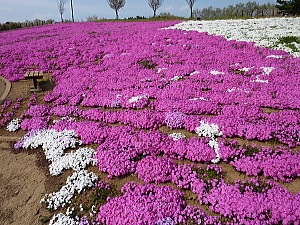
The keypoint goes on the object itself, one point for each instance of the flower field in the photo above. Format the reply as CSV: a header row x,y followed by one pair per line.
x,y
199,121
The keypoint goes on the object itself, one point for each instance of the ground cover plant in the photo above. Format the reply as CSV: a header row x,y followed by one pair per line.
x,y
168,111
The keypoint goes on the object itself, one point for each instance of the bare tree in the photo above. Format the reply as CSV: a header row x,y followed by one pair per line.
x,y
92,18
155,4
61,8
116,5
191,4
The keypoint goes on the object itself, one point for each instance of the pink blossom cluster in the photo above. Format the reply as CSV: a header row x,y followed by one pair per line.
x,y
280,164
254,203
143,119
8,109
154,169
175,120
148,204
194,149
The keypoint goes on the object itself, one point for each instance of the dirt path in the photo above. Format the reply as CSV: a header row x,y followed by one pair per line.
x,y
21,187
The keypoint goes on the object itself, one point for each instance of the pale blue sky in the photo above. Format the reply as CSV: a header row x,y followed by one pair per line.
x,y
21,10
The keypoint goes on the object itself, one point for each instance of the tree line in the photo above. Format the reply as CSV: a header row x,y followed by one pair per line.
x,y
291,7
27,23
248,9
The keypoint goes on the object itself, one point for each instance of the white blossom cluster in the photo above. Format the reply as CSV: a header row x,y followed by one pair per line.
x,y
76,183
211,131
137,98
14,125
53,142
75,160
208,130
265,32
176,78
236,89
62,219
215,72
177,136
200,98
65,118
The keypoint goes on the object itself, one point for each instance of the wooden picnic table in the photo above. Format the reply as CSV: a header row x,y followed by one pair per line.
x,y
34,75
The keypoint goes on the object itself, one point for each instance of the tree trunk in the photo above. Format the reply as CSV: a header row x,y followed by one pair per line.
x,y
154,11
62,20
117,14
191,12
72,10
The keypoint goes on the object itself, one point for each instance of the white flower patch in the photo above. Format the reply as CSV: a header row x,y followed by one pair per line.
x,y
160,69
245,69
76,183
53,142
259,80
208,130
176,78
137,98
177,136
14,125
201,98
62,219
236,89
66,118
214,72
195,72
265,32
93,211
75,160
275,56
211,131
267,70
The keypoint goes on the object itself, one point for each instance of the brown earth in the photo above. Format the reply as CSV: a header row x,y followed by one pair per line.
x,y
25,179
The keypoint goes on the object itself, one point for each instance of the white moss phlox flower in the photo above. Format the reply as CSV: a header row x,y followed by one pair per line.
x,y
53,142
14,125
62,219
75,160
208,130
211,131
76,183
214,72
176,78
177,136
137,98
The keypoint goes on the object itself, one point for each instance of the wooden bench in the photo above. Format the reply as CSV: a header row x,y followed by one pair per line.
x,y
34,75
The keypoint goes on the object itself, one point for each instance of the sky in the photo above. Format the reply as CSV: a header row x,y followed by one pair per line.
x,y
21,10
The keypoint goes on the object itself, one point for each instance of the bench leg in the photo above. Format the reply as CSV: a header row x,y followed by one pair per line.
x,y
35,83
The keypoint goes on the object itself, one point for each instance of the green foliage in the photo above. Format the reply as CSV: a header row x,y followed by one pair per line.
x,y
289,39
289,6
262,186
44,219
99,195
240,10
289,42
148,64
207,174
16,25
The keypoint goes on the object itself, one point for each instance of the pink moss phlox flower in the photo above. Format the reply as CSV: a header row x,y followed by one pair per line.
x,y
175,120
35,123
154,169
